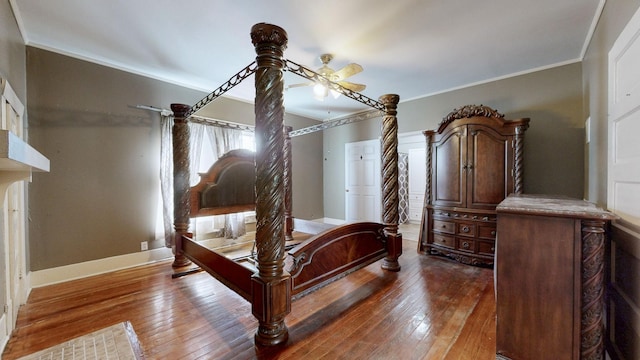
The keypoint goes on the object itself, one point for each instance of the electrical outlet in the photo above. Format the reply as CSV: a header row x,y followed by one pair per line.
x,y
144,246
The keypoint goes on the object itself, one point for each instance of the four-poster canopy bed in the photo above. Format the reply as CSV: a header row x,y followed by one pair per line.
x,y
244,181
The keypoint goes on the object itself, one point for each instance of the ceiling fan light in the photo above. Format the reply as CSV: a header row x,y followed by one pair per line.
x,y
320,91
334,93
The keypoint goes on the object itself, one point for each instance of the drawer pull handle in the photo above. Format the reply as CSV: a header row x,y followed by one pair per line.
x,y
493,232
465,229
465,245
493,249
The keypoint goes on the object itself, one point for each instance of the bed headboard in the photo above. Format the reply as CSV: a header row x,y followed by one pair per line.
x,y
227,187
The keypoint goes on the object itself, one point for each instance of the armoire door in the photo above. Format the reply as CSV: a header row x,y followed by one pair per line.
x,y
449,181
487,167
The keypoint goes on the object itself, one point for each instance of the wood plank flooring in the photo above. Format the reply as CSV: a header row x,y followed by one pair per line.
x,y
433,308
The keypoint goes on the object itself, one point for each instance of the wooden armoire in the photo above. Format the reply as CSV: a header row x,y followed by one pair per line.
x,y
474,161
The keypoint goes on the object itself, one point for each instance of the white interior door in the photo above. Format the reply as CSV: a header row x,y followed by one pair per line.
x,y
362,181
417,182
13,213
623,193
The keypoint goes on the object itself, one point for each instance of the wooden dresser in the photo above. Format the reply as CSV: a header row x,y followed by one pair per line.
x,y
474,160
550,278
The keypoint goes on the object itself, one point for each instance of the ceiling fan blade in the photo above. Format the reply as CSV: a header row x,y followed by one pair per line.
x,y
308,72
299,85
352,86
345,72
326,72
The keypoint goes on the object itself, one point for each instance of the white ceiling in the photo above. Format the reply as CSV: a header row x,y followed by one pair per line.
x,y
413,48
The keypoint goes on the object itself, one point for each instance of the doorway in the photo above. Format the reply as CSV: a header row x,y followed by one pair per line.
x,y
15,287
362,181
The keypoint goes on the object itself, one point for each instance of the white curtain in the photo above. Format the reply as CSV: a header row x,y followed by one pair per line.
x,y
403,188
221,141
166,177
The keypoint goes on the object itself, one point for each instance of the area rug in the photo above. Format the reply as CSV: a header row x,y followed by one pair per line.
x,y
116,342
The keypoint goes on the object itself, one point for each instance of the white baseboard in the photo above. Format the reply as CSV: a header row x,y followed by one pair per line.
x,y
331,221
60,274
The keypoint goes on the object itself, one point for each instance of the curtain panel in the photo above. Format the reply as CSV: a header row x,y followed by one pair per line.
x,y
218,142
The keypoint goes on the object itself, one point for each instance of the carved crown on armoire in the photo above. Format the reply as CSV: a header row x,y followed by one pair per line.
x,y
474,160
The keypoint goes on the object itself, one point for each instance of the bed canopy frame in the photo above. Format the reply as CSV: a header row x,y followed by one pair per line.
x,y
323,257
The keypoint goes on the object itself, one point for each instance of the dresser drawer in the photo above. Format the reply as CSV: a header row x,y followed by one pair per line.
x,y
486,247
466,245
466,229
444,226
487,232
464,234
444,240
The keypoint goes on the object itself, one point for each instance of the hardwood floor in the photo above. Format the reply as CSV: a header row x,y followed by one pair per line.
x,y
432,309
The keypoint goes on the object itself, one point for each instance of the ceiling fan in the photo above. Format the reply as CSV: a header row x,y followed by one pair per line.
x,y
337,76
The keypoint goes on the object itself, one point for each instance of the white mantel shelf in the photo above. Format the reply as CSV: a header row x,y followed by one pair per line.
x,y
18,159
17,155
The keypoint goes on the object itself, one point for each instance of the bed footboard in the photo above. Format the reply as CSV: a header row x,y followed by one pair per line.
x,y
335,253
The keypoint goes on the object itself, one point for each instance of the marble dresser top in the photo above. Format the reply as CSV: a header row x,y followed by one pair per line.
x,y
551,205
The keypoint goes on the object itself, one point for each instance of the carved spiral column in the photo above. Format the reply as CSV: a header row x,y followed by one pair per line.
x,y
429,162
271,285
423,235
518,156
592,322
288,185
390,200
181,203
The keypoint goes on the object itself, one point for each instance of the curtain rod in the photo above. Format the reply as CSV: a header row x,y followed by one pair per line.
x,y
163,112
201,119
221,123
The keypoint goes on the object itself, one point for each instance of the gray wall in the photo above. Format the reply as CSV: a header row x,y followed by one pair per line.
x,y
554,142
101,196
12,55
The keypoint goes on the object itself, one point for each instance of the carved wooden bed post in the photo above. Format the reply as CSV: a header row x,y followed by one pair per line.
x,y
180,138
390,181
271,285
288,184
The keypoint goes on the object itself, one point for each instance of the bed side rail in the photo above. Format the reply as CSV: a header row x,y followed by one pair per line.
x,y
232,274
